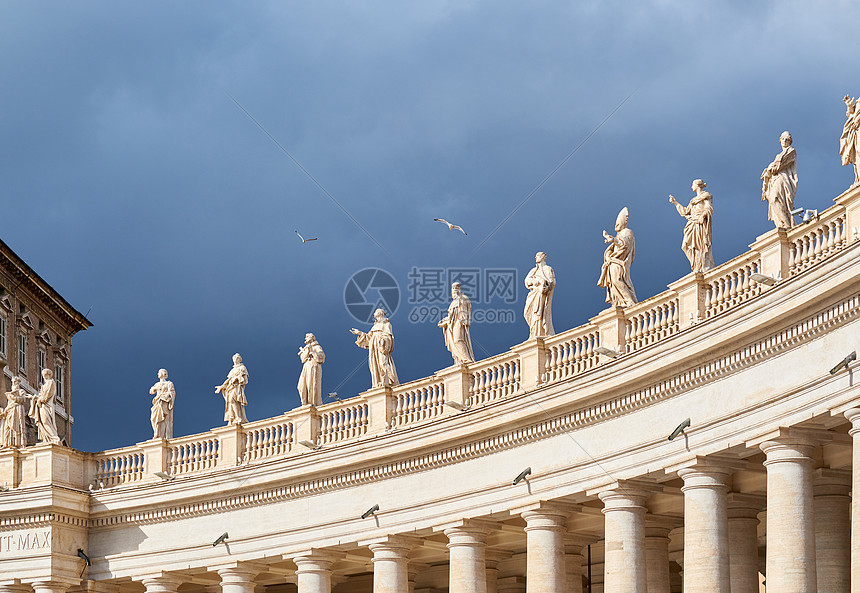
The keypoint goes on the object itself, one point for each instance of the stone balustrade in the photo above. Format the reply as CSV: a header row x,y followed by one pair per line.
x,y
694,299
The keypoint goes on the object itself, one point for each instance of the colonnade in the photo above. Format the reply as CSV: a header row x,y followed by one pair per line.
x,y
812,537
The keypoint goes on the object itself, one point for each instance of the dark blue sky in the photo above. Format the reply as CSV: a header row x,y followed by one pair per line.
x,y
135,186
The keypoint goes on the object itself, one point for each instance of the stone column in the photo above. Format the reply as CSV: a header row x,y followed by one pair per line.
x,y
624,539
853,416
467,568
573,552
237,579
314,572
743,510
390,565
545,531
790,531
412,570
657,557
491,560
706,537
161,584
12,588
832,507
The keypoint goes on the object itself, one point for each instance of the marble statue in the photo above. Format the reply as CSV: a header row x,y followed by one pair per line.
x,y
849,143
42,409
14,416
455,326
233,390
161,416
615,273
779,184
699,213
538,310
310,381
379,343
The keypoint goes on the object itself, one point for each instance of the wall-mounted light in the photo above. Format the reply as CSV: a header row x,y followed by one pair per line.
x,y
844,363
763,279
370,511
607,352
522,475
221,539
679,430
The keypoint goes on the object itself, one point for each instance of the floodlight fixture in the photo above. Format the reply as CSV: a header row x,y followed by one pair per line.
x,y
309,444
221,538
763,279
523,475
679,430
370,511
797,211
83,556
809,216
607,352
4,487
164,476
457,406
333,395
844,363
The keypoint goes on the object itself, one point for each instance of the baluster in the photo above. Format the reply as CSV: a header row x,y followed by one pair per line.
x,y
792,255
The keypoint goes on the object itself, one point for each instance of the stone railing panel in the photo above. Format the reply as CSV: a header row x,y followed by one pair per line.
x,y
813,241
343,420
268,438
731,284
651,321
192,454
119,466
494,378
418,401
570,353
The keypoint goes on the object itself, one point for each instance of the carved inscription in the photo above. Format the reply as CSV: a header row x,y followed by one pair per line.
x,y
37,539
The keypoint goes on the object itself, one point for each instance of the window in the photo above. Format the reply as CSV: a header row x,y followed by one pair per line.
x,y
22,352
59,379
42,363
3,336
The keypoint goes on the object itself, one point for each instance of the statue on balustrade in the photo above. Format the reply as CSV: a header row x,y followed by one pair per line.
x,y
779,184
849,143
538,311
615,273
310,381
42,409
233,390
697,232
379,343
14,417
161,416
455,326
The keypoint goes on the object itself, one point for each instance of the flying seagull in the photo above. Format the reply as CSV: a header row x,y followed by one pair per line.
x,y
451,227
306,240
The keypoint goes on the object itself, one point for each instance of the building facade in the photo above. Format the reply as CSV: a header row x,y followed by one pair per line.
x,y
545,469
36,329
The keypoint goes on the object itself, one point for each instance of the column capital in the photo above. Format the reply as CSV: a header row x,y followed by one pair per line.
x,y
162,583
315,561
238,575
465,526
793,436
744,506
548,517
392,548
853,416
626,494
831,482
52,585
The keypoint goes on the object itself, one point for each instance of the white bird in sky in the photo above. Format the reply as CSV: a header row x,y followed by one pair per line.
x,y
306,240
451,227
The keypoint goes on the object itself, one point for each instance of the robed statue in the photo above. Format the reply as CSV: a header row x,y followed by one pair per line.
x,y
617,259
310,381
849,143
697,245
42,409
779,184
161,414
233,390
379,343
456,324
538,310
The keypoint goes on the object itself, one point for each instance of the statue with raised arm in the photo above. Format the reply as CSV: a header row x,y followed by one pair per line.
x,y
455,326
379,343
14,415
161,415
849,143
42,409
779,184
538,310
697,232
310,381
233,390
615,273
